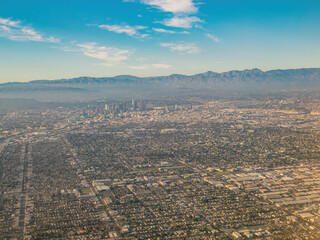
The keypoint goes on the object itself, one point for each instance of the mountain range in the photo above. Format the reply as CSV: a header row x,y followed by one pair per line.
x,y
253,79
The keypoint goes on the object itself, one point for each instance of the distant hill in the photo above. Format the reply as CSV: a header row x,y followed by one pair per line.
x,y
254,79
302,76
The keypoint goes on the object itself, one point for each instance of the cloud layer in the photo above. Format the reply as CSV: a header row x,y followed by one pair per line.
x,y
180,9
110,56
177,14
190,48
173,6
129,30
155,65
13,30
212,37
181,22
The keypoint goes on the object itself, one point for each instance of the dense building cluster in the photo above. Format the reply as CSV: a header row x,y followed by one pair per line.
x,y
191,168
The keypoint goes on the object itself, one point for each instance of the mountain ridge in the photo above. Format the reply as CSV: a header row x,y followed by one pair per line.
x,y
127,86
246,74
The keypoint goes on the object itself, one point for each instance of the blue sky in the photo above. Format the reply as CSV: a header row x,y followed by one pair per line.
x,y
50,39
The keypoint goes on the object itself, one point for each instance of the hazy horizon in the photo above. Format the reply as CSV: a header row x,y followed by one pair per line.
x,y
152,76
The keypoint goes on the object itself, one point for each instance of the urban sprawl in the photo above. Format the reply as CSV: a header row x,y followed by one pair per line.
x,y
180,168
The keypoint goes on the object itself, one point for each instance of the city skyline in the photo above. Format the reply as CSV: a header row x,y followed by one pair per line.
x,y
54,39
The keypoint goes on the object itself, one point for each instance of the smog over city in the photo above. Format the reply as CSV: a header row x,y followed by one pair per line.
x,y
159,119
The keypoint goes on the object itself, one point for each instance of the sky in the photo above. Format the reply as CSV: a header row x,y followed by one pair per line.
x,y
53,39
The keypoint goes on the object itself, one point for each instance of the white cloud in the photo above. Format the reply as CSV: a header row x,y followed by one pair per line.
x,y
144,35
139,67
181,22
126,29
155,65
161,65
110,56
15,31
182,47
181,10
5,28
161,30
173,6
212,37
9,22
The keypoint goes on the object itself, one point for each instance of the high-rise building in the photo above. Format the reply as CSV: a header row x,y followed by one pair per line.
x,y
133,104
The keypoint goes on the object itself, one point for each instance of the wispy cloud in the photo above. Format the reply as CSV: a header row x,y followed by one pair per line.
x,y
190,48
161,65
156,65
126,29
173,6
212,37
139,67
161,30
9,22
109,55
181,22
13,30
180,9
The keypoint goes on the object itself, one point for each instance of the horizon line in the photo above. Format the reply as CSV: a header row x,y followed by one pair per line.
x,y
129,75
